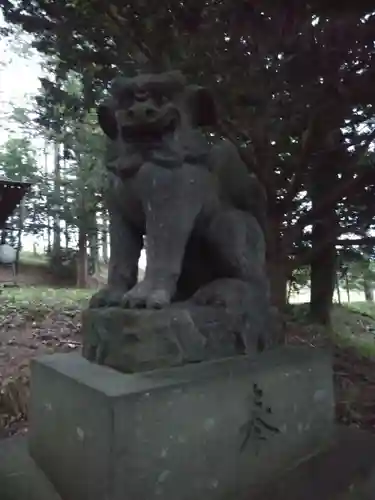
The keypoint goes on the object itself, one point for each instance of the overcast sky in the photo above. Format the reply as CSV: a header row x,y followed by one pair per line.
x,y
19,78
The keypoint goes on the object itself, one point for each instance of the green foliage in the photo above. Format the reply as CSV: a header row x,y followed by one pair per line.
x,y
62,115
17,160
293,90
71,193
356,269
299,279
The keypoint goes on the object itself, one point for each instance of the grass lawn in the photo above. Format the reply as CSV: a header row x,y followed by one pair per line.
x,y
32,259
367,308
354,326
42,300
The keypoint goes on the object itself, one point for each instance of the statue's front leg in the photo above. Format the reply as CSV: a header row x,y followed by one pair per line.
x,y
126,244
171,199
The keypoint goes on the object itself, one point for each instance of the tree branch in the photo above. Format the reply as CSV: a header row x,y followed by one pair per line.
x,y
368,240
341,190
305,257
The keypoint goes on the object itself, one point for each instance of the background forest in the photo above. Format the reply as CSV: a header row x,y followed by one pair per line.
x,y
294,86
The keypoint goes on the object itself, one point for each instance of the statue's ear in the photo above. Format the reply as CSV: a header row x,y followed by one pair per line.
x,y
201,106
107,120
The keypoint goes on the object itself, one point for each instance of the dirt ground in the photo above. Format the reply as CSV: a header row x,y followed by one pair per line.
x,y
32,324
353,345
44,321
28,274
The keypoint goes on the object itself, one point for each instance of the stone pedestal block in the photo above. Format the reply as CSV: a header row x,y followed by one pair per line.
x,y
210,430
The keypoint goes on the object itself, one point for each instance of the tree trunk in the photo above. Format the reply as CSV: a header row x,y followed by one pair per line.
x,y
347,286
57,200
277,265
338,288
323,240
322,282
369,292
66,223
104,237
46,180
82,259
367,276
289,291
67,236
66,197
20,229
278,282
11,238
93,245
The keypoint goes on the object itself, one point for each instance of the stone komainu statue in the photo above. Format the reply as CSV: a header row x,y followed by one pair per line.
x,y
198,206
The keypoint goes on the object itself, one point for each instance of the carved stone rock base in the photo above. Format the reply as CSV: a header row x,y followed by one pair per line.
x,y
133,340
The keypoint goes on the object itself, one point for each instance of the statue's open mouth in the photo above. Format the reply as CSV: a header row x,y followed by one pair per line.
x,y
152,130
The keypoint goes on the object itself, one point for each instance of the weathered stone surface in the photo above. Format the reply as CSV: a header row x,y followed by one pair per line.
x,y
345,470
20,478
209,430
138,340
217,322
202,212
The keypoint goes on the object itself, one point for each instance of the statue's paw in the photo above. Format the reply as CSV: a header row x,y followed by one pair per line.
x,y
143,295
209,300
158,299
225,293
106,297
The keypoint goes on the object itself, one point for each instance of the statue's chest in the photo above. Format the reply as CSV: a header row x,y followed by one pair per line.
x,y
126,200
